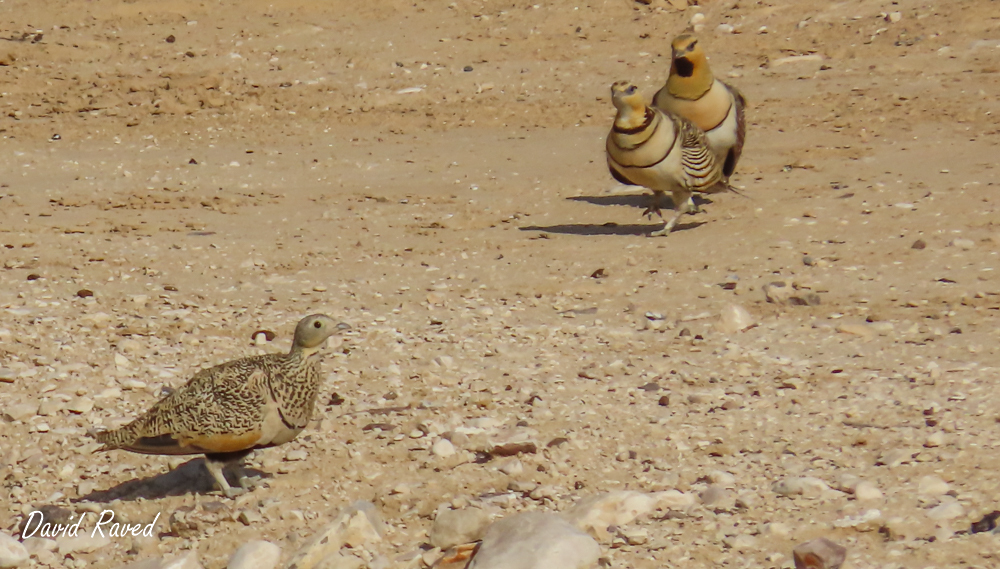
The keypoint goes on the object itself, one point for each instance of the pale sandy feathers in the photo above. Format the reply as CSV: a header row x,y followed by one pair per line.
x,y
660,151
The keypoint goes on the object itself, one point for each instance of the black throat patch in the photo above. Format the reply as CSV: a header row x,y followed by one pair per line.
x,y
684,67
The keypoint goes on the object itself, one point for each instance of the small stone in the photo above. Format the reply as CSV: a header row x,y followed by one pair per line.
x,y
869,520
919,244
636,536
857,329
255,554
777,530
83,543
454,527
734,318
725,29
522,486
820,553
946,511
356,526
674,500
50,407
519,440
722,478
894,17
895,457
296,455
963,244
12,552
511,466
250,517
932,486
867,492
536,540
664,401
698,18
446,362
80,405
934,440
806,486
443,448
987,523
780,292
714,495
36,544
596,513
19,412
85,293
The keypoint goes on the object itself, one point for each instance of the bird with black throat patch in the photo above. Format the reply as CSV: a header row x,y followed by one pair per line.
x,y
715,107
660,151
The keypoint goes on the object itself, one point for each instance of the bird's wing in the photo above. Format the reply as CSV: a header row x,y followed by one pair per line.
x,y
219,410
737,150
697,158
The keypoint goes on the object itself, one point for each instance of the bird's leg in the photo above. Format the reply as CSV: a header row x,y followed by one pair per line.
x,y
217,463
654,206
241,476
215,468
693,207
682,204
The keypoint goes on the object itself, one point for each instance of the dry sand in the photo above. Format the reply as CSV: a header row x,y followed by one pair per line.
x,y
433,173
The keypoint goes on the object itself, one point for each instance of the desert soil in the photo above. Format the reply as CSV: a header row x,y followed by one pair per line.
x,y
433,174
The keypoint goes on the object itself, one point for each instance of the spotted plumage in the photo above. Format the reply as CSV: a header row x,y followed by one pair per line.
x,y
660,151
692,92
227,411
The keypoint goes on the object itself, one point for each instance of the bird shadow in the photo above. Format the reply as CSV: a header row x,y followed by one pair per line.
x,y
607,228
635,200
190,477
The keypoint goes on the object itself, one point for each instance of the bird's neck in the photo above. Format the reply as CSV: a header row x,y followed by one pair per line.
x,y
300,353
694,85
631,118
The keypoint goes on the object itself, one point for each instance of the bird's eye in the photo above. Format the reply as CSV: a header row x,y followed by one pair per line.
x,y
691,47
630,90
317,324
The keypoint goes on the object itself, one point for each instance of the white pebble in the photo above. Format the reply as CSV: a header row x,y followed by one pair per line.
x,y
12,553
443,448
255,554
867,492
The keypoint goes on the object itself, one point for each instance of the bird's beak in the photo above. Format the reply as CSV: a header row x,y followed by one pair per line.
x,y
343,327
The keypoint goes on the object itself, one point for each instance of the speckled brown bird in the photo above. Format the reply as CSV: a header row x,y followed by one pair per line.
x,y
694,93
227,411
660,151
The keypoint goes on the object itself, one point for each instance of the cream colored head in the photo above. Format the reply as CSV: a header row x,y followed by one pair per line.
x,y
690,75
627,98
313,330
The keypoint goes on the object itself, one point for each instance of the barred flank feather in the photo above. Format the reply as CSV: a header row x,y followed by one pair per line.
x,y
660,151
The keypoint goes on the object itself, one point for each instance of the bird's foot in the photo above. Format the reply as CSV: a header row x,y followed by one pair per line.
x,y
651,210
233,493
667,227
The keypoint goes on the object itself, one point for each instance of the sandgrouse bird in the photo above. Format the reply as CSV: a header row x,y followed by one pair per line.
x,y
694,93
660,151
227,411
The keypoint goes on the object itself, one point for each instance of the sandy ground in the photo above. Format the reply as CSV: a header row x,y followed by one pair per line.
x,y
433,173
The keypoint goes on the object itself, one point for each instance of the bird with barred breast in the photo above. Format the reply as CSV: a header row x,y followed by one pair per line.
x,y
660,151
692,92
227,411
